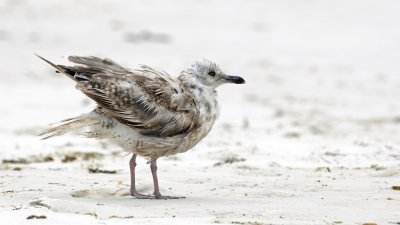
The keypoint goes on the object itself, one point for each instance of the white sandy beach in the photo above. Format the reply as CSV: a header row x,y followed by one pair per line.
x,y
312,138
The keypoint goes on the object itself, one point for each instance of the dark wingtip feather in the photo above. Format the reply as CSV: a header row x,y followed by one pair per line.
x,y
67,70
61,69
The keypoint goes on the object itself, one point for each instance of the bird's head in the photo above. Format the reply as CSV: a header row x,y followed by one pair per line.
x,y
209,74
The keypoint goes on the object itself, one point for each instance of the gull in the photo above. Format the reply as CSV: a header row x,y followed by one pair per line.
x,y
145,111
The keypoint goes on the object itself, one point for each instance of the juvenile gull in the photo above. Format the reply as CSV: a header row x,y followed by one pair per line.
x,y
146,111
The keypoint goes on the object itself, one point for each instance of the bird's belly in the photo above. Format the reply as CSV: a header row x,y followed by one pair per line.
x,y
132,141
116,132
152,146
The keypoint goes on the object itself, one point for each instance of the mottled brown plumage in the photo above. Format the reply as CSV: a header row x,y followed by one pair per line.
x,y
145,111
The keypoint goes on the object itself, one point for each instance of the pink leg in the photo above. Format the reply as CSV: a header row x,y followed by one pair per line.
x,y
134,193
157,194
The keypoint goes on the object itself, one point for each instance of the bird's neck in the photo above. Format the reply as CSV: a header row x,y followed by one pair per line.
x,y
196,88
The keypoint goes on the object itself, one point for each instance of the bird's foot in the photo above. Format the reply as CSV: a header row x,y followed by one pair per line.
x,y
159,196
141,196
169,197
137,195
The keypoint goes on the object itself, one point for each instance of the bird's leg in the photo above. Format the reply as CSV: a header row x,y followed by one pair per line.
x,y
157,194
132,165
153,167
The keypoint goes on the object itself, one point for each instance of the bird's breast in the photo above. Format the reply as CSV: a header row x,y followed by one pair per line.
x,y
209,112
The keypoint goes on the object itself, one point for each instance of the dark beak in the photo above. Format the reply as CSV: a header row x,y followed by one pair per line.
x,y
234,79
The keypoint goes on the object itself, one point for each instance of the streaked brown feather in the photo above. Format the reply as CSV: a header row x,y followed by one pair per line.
x,y
147,100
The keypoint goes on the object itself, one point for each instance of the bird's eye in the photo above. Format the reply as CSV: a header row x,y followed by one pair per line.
x,y
211,73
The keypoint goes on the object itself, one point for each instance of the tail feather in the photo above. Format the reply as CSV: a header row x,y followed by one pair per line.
x,y
67,125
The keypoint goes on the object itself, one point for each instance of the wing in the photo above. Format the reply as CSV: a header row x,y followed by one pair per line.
x,y
147,100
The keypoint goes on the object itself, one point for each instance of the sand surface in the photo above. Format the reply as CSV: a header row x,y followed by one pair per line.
x,y
312,138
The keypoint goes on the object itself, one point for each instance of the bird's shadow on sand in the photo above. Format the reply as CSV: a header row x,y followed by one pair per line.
x,y
118,203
